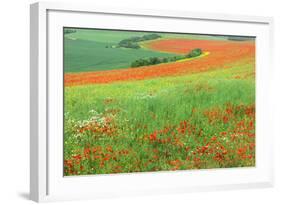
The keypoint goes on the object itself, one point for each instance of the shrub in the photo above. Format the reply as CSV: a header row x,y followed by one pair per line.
x,y
154,60
194,53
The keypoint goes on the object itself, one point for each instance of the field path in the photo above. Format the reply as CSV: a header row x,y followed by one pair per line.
x,y
221,54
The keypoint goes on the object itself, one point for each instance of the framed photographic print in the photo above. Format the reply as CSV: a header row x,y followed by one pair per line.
x,y
128,102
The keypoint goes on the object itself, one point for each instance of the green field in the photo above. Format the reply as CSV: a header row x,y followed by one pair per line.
x,y
86,50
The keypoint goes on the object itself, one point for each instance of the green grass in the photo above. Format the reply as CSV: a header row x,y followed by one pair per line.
x,y
119,127
85,50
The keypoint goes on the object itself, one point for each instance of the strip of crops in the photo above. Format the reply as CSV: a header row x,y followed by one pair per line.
x,y
221,53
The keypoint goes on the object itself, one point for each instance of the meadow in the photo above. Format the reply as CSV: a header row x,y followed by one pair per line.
x,y
195,114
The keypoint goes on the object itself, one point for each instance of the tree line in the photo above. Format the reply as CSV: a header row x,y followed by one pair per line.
x,y
132,42
239,38
157,60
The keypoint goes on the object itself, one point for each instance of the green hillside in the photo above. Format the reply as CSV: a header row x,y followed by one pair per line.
x,y
93,50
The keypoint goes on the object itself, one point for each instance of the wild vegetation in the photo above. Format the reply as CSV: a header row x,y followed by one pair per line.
x,y
184,114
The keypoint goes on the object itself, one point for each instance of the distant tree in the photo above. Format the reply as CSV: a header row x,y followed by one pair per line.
x,y
154,60
239,38
157,60
165,60
132,42
194,53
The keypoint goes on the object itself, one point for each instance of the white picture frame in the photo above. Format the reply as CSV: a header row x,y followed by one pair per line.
x,y
46,178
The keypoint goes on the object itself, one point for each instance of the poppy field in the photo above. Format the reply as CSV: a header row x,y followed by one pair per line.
x,y
193,113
